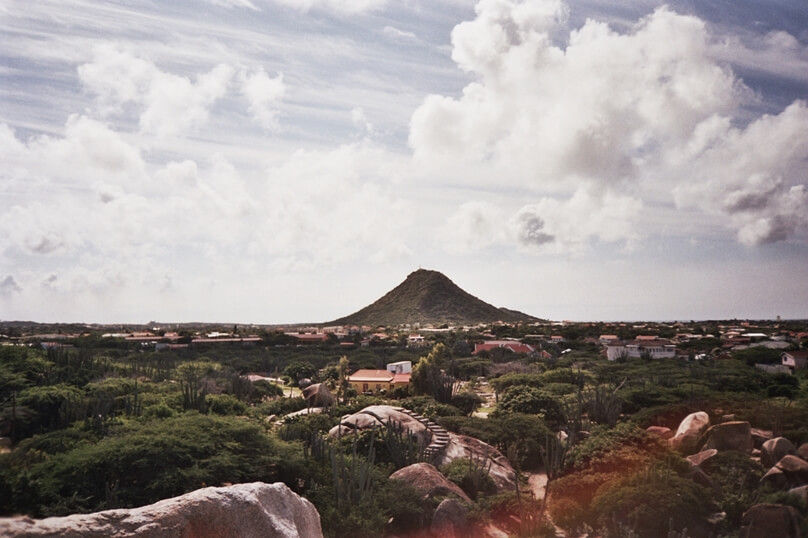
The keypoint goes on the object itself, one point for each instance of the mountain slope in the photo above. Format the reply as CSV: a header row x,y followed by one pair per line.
x,y
429,297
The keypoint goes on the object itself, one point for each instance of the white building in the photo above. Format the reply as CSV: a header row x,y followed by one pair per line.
x,y
656,349
402,367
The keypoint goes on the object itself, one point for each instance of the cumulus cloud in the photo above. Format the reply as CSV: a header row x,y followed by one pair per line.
x,y
569,225
263,93
603,119
170,104
474,226
331,206
754,176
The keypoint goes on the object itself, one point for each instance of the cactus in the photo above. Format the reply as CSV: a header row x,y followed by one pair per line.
x,y
403,447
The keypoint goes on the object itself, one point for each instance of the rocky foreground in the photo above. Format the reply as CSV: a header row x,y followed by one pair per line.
x,y
247,510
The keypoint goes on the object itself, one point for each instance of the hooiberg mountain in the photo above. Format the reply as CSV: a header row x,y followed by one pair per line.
x,y
429,297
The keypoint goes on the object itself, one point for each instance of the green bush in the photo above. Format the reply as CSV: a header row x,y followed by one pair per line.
x,y
532,401
225,404
650,507
145,462
471,475
467,402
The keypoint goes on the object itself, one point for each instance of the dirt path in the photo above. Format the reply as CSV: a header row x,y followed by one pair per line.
x,y
537,482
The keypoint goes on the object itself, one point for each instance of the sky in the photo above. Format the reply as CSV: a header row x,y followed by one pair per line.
x,y
286,161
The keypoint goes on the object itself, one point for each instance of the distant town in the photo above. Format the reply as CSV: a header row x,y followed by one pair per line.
x,y
691,340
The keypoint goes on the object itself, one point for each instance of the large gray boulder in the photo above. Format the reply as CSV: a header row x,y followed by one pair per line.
x,y
770,520
736,435
463,446
244,510
686,439
774,450
378,416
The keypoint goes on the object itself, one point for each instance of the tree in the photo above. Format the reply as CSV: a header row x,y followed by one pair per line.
x,y
193,377
342,371
428,377
298,370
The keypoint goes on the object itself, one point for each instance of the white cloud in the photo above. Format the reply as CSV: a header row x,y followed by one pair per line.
x,y
395,33
360,120
474,226
9,285
170,105
263,93
234,3
753,176
337,6
569,225
609,119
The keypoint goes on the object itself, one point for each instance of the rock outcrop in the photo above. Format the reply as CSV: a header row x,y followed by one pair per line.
x,y
450,520
428,481
774,450
790,472
443,446
769,520
687,436
736,435
700,457
318,395
661,431
245,510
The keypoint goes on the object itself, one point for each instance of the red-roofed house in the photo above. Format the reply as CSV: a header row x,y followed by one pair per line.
x,y
510,345
375,380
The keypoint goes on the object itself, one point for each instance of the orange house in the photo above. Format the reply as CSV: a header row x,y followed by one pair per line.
x,y
376,380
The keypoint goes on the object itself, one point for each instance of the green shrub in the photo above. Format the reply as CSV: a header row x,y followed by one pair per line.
x,y
471,475
649,506
225,404
467,402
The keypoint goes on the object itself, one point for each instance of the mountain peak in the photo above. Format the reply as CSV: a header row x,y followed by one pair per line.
x,y
429,297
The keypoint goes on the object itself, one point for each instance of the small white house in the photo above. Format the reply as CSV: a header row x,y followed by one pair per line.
x,y
402,367
794,360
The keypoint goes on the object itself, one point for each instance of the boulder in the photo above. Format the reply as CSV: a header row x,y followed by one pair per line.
x,y
661,431
697,459
789,472
773,451
735,435
428,481
246,510
795,468
463,446
378,416
449,446
760,436
803,451
318,395
450,520
768,520
801,492
689,432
